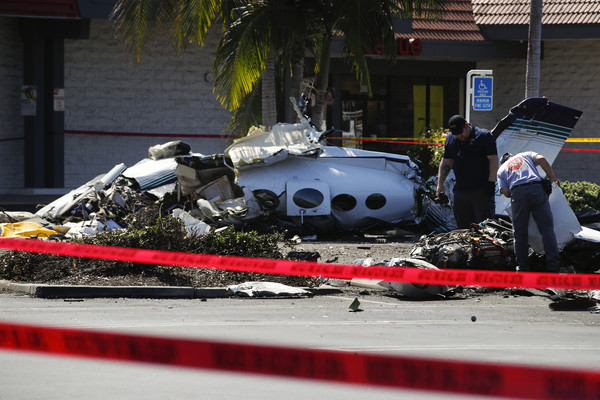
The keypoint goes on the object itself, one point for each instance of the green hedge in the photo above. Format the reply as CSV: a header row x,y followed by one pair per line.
x,y
164,233
582,196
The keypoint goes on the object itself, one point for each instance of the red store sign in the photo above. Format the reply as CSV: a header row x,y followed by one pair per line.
x,y
406,47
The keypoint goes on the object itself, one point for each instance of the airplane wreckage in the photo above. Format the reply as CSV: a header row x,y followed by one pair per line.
x,y
288,179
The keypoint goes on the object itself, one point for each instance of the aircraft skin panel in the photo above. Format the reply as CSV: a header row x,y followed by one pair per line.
x,y
542,128
588,234
356,181
522,135
262,147
344,152
371,159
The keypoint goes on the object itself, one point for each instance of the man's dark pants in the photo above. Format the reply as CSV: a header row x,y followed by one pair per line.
x,y
532,200
472,206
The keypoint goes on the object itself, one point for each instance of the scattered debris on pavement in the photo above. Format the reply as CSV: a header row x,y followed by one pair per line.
x,y
576,304
266,289
405,289
355,306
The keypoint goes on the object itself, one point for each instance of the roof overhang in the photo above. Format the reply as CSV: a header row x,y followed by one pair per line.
x,y
59,9
96,8
521,32
473,50
56,28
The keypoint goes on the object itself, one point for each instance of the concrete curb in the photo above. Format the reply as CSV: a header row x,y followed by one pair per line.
x,y
82,291
149,292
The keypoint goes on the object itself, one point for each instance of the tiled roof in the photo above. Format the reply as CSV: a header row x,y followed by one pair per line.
x,y
40,8
457,23
516,12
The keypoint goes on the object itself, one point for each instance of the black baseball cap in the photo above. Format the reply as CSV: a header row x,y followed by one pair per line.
x,y
505,157
456,123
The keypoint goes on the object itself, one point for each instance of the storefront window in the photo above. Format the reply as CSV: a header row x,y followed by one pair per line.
x,y
400,107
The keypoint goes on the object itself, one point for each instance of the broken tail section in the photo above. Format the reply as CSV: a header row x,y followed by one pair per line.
x,y
536,124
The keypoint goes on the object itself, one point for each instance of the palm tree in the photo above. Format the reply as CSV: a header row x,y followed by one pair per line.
x,y
308,25
265,34
363,24
254,47
532,80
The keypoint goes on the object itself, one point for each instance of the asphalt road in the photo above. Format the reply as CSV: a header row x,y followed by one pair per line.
x,y
521,330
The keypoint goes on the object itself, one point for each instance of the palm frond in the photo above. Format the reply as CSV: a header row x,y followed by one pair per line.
x,y
137,22
241,56
248,114
191,20
186,22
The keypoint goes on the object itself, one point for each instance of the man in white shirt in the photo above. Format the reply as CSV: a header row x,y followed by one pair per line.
x,y
519,179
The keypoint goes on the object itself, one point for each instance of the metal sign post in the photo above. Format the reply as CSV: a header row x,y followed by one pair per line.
x,y
480,91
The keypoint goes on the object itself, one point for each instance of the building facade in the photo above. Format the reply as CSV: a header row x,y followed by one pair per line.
x,y
74,103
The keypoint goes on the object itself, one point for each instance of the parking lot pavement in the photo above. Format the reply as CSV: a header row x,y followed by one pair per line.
x,y
513,329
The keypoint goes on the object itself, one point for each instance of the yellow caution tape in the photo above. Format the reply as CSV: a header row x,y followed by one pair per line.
x,y
584,140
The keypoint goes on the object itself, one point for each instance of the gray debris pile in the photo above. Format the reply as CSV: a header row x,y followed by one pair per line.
x,y
106,201
192,187
406,289
489,246
284,179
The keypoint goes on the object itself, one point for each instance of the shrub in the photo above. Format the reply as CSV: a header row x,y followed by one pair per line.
x,y
583,197
166,233
426,156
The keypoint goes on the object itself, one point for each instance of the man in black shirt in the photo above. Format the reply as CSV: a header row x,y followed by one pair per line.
x,y
472,154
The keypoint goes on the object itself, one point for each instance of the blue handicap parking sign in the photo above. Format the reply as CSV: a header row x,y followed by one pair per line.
x,y
483,93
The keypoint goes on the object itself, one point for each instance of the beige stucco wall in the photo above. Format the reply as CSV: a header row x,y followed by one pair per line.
x,y
105,90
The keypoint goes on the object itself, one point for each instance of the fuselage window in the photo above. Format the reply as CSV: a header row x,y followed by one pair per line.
x,y
308,198
343,202
375,201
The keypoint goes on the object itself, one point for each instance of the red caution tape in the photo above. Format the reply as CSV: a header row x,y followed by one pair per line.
x,y
588,150
476,378
419,141
389,140
306,268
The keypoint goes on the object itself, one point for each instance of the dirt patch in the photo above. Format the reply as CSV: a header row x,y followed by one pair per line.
x,y
52,269
348,251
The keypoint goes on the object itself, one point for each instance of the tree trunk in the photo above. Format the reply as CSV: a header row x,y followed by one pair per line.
x,y
269,101
319,117
297,77
532,83
319,109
